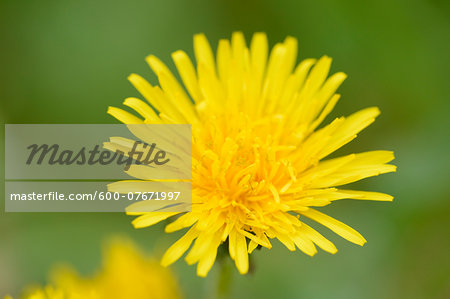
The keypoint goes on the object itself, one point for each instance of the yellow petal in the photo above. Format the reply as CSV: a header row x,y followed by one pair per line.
x,y
187,73
304,244
207,260
347,131
362,195
317,238
241,254
143,109
179,247
123,116
258,56
203,52
183,221
151,218
338,227
356,167
199,248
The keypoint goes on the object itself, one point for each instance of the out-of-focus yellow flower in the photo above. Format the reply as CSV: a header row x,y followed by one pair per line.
x,y
258,151
51,292
126,273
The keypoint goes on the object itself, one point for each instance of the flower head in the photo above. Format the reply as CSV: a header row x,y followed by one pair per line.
x,y
126,273
258,150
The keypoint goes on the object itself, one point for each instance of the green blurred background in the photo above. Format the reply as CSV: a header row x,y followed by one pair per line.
x,y
66,61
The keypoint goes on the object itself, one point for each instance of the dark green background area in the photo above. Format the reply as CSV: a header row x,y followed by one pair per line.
x,y
66,61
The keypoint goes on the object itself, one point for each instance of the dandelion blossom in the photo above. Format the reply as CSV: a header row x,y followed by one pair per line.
x,y
126,273
258,148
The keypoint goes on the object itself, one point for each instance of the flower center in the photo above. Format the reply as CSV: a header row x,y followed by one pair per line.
x,y
242,164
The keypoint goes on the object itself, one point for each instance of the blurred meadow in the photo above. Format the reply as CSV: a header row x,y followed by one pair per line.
x,y
67,61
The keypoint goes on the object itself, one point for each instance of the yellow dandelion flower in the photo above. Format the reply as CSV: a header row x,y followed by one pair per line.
x,y
51,292
126,273
258,151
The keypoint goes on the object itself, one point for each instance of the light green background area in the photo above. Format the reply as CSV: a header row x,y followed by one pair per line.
x,y
66,61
